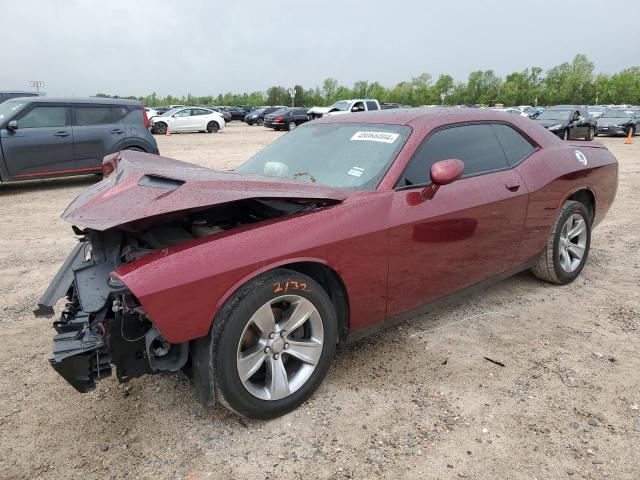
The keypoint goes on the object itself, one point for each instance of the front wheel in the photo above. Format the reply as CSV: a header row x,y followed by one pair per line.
x,y
272,344
213,127
567,247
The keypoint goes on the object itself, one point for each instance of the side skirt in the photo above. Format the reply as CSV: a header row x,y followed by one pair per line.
x,y
446,300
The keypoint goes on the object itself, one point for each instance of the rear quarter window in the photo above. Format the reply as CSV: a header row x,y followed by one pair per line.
x,y
515,146
99,115
372,105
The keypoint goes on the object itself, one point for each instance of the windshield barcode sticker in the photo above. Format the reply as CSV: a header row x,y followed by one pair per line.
x,y
356,171
384,137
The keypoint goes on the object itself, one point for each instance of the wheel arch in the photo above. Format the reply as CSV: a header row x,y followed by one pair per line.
x,y
315,268
585,196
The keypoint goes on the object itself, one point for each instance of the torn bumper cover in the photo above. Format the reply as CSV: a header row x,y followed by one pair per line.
x,y
80,353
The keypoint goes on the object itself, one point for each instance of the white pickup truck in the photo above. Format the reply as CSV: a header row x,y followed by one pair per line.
x,y
345,106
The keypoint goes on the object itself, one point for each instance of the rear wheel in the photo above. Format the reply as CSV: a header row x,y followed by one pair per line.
x,y
213,127
272,344
291,126
590,134
567,247
160,128
260,122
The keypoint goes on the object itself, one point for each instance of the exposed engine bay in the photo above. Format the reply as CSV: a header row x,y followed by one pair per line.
x,y
103,324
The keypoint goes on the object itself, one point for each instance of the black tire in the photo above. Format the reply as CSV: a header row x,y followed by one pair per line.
x,y
260,122
213,127
160,128
291,126
136,149
227,330
565,134
548,265
590,134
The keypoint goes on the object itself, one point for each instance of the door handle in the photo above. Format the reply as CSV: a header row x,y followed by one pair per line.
x,y
61,134
512,185
117,130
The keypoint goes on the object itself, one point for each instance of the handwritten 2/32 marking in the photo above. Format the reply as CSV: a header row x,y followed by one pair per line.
x,y
290,285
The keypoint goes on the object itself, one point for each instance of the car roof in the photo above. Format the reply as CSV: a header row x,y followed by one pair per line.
x,y
405,116
78,100
425,119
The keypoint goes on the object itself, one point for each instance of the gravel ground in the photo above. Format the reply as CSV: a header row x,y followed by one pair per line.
x,y
416,401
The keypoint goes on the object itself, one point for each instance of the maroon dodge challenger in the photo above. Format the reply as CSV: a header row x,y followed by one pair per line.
x,y
247,280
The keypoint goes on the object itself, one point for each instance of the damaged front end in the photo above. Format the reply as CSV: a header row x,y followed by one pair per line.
x,y
102,322
148,204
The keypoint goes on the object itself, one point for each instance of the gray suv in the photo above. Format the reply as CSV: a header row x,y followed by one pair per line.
x,y
47,137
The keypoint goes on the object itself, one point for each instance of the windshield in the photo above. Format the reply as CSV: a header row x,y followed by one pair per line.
x,y
168,113
610,114
345,155
555,115
342,105
8,108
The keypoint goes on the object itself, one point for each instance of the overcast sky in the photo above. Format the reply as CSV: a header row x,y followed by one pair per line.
x,y
203,47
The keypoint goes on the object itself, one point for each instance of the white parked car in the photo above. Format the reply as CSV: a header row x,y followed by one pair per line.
x,y
513,111
188,119
345,106
150,112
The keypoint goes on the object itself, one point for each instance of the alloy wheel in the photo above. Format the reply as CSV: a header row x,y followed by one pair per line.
x,y
280,347
573,241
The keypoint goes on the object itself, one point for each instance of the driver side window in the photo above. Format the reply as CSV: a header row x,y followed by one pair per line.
x,y
476,145
358,107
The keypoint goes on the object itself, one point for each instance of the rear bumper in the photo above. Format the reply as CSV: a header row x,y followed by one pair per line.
x,y
275,124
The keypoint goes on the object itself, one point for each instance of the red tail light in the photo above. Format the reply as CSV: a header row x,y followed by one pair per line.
x,y
147,123
278,119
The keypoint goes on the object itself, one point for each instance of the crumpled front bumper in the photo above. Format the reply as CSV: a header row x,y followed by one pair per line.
x,y
80,352
81,357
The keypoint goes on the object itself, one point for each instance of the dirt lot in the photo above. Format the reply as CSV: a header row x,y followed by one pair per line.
x,y
417,401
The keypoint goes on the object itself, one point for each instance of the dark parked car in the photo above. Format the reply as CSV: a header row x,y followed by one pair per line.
x,y
619,121
249,279
286,118
46,137
238,113
226,114
9,94
568,121
256,117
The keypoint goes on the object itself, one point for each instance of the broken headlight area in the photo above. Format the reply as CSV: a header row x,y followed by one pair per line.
x,y
88,344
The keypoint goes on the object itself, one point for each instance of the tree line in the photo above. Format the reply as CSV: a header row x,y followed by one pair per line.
x,y
571,82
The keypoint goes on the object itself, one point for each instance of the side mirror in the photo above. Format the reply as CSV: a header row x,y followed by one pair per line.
x,y
12,126
443,172
581,119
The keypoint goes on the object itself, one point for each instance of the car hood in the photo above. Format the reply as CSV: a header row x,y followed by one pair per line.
x,y
145,188
548,123
613,121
